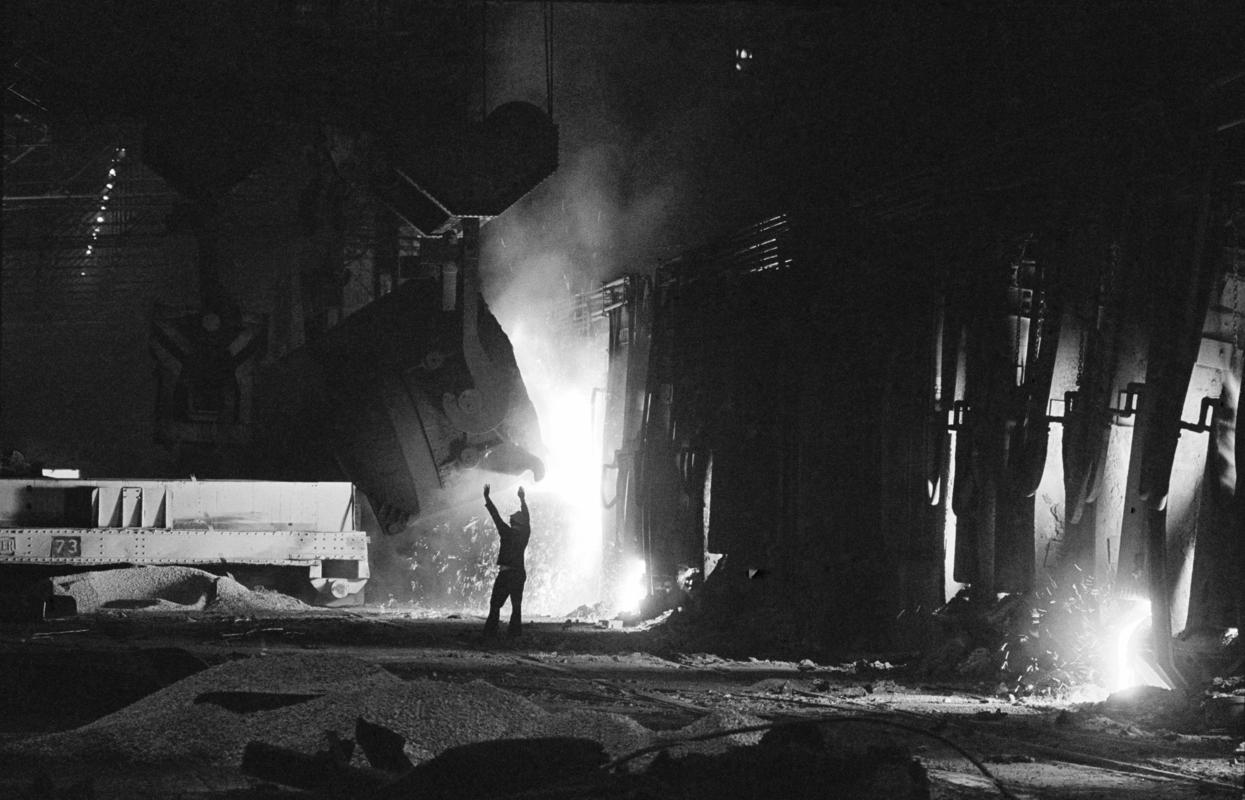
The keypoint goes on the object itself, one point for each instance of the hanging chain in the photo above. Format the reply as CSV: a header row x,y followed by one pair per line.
x,y
1237,223
1018,281
1018,358
1098,310
1238,276
1038,326
1081,346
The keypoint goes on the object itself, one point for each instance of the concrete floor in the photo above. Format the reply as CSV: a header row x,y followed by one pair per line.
x,y
64,673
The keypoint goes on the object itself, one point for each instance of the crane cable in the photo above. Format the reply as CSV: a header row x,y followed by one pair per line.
x,y
547,9
483,61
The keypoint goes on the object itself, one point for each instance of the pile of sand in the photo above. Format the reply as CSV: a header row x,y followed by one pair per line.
x,y
163,589
170,727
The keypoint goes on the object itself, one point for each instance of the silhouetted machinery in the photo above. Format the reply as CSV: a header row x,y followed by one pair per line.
x,y
412,392
422,385
409,392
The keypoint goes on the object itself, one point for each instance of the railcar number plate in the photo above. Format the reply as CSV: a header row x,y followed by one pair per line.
x,y
66,547
8,546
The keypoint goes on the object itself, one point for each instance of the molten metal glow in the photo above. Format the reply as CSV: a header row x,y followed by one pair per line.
x,y
1127,669
632,587
951,587
562,388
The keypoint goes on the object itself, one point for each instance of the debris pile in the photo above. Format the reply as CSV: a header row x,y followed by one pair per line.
x,y
169,725
291,701
181,587
721,755
790,761
1224,704
159,589
1044,643
617,734
234,598
734,630
1149,706
591,614
719,721
185,721
793,761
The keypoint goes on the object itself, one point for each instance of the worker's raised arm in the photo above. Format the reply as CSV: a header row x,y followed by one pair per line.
x,y
523,503
492,510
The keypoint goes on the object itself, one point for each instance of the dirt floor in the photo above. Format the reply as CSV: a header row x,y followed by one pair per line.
x,y
145,704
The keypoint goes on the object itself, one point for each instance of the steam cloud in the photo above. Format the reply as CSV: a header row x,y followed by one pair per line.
x,y
622,200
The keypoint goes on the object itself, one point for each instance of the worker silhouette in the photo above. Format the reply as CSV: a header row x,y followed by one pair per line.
x,y
510,573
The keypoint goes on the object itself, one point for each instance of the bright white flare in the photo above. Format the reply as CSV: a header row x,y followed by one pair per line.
x,y
1127,667
632,587
562,387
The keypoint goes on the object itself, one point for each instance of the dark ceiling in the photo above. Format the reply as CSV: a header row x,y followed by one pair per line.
x,y
895,87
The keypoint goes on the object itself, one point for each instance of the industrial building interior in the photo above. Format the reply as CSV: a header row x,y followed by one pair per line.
x,y
872,376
